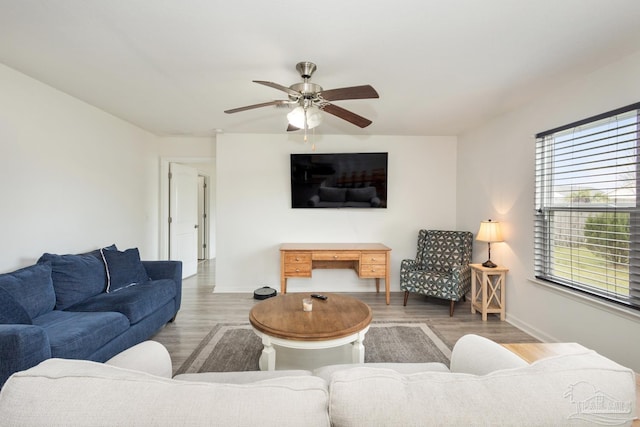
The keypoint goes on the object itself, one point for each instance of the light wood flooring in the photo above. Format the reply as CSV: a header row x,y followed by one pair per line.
x,y
202,308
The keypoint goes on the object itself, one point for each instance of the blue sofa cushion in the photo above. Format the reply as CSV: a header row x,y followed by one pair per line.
x,y
32,288
74,335
135,302
96,252
75,277
123,269
11,312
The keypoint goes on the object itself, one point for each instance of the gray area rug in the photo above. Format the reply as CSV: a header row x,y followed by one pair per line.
x,y
235,347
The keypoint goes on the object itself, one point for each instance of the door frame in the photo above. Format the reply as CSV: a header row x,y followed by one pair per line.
x,y
203,217
163,238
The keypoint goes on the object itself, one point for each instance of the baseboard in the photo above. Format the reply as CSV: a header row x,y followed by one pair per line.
x,y
534,332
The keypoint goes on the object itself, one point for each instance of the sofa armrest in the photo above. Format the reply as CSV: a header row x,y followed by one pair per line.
x,y
21,347
164,270
148,356
157,270
473,354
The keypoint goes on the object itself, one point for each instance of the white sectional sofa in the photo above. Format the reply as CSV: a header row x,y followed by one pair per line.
x,y
485,385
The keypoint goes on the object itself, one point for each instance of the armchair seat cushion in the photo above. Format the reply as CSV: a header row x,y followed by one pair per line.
x,y
433,283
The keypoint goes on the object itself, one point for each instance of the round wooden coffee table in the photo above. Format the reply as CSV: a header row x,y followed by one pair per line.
x,y
335,322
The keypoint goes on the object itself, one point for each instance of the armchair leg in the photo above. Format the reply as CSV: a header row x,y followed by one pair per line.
x,y
406,297
451,305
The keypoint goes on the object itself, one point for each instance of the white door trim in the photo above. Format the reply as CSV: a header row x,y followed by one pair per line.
x,y
163,238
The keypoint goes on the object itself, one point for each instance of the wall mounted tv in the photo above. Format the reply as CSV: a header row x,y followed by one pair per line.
x,y
339,180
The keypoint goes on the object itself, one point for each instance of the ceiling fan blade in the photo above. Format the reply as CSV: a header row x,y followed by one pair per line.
x,y
347,115
353,92
279,87
292,128
251,107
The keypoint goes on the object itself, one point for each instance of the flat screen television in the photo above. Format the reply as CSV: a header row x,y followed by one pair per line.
x,y
339,180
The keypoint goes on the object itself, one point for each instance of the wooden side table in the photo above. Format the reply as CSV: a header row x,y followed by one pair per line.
x,y
489,297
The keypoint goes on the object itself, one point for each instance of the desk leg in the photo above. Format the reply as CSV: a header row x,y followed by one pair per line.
x,y
283,279
387,282
377,285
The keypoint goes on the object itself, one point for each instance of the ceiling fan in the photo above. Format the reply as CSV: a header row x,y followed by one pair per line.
x,y
309,99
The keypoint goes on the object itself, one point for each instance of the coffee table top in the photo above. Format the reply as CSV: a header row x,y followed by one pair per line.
x,y
282,316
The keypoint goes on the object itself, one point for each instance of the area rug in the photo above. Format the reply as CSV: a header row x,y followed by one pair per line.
x,y
235,347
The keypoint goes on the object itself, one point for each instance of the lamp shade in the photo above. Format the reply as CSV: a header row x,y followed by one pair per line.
x,y
489,232
297,117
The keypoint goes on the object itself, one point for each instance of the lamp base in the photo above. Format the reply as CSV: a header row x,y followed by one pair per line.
x,y
489,264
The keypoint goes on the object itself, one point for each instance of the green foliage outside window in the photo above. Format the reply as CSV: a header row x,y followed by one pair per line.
x,y
607,236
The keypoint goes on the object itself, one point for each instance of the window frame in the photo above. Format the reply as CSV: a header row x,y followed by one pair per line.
x,y
546,260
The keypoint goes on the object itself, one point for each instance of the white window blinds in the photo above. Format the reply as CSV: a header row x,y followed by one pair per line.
x,y
587,222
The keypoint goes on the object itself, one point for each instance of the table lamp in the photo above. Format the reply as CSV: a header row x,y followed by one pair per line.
x,y
489,232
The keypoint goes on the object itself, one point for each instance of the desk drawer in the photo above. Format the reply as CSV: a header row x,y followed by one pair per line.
x,y
297,257
297,270
372,270
336,256
373,258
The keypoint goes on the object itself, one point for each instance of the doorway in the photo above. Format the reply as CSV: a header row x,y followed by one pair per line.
x,y
203,229
199,224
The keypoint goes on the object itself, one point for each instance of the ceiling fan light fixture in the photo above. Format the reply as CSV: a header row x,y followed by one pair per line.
x,y
305,118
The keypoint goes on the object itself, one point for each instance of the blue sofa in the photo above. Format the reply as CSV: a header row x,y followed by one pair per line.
x,y
87,306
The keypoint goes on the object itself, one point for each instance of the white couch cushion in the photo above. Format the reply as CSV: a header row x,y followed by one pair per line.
x,y
326,372
243,377
80,393
543,393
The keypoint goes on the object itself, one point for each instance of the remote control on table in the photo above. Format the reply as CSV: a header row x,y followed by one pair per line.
x,y
322,297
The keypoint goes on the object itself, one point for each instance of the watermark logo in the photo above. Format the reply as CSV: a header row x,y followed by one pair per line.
x,y
598,407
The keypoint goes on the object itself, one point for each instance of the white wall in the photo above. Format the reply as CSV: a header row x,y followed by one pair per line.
x,y
255,216
72,178
496,180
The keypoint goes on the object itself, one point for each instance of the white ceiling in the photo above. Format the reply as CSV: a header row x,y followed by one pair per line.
x,y
440,66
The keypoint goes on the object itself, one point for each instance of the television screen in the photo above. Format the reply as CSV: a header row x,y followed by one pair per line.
x,y
339,180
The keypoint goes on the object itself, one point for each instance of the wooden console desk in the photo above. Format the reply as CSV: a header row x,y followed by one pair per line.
x,y
368,260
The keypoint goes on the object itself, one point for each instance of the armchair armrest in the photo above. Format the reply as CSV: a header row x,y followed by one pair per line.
x,y
408,265
21,347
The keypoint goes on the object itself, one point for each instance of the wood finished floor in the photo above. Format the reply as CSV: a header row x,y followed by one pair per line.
x,y
202,308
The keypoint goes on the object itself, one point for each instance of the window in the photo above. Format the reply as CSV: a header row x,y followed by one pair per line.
x,y
587,219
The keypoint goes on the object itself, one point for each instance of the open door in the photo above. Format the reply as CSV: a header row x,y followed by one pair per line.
x,y
183,217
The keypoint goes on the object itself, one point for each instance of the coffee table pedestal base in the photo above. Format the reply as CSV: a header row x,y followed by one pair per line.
x,y
268,357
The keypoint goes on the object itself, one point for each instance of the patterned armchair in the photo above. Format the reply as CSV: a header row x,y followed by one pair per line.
x,y
441,268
